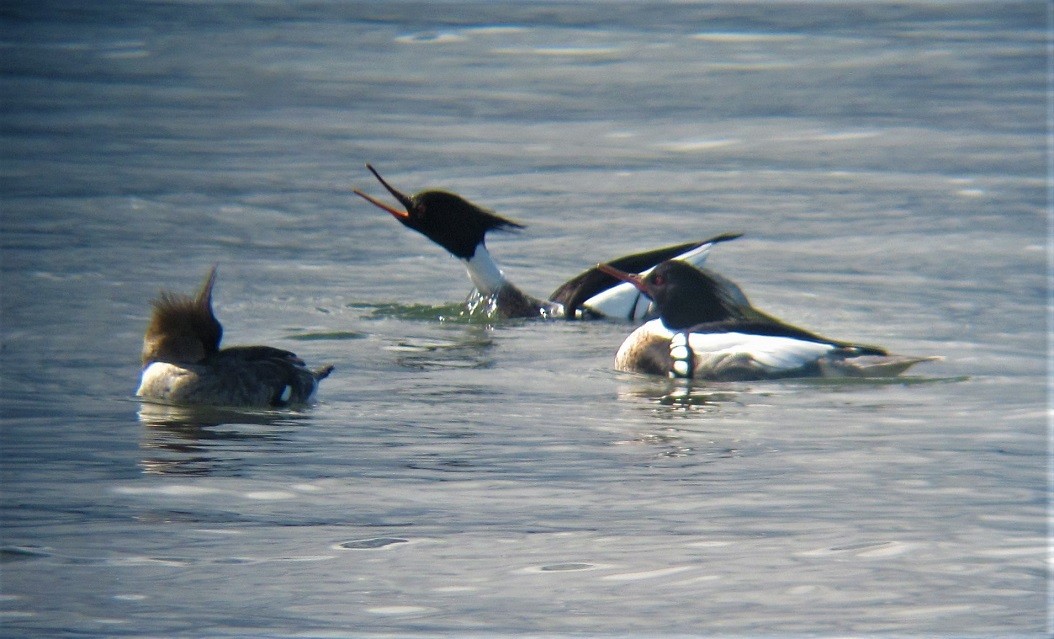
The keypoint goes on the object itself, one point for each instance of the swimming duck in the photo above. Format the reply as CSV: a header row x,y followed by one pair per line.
x,y
461,227
183,363
703,333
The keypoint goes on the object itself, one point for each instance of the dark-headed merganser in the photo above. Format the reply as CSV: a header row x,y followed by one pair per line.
x,y
461,227
183,363
702,333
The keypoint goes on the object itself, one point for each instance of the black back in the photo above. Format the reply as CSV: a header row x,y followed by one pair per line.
x,y
690,300
278,374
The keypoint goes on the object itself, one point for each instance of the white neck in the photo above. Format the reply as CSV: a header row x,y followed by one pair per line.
x,y
484,273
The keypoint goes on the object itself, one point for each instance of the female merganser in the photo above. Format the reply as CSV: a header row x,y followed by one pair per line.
x,y
183,363
703,333
461,227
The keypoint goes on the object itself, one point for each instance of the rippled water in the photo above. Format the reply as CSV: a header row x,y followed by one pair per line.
x,y
886,163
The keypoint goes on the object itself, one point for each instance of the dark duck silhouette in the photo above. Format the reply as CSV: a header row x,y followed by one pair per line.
x,y
461,227
183,363
704,333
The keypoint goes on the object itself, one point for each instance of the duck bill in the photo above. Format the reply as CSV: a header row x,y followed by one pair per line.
x,y
632,278
396,213
402,197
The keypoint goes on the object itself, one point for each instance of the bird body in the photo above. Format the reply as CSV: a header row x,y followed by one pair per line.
x,y
703,333
460,227
183,363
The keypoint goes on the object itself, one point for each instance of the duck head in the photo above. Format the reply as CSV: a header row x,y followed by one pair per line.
x,y
183,329
447,219
684,295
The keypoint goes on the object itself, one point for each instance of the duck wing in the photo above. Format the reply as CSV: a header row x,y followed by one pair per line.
x,y
757,323
264,375
618,299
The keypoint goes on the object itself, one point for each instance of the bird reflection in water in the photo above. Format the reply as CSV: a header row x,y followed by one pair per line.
x,y
678,395
195,440
680,411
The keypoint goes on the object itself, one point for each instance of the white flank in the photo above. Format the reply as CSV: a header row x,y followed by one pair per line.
x,y
776,354
624,301
620,302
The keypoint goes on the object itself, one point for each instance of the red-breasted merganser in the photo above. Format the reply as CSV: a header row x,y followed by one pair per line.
x,y
702,333
460,227
183,363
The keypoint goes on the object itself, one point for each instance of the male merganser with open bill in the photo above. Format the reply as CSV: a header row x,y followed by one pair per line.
x,y
183,363
460,227
702,333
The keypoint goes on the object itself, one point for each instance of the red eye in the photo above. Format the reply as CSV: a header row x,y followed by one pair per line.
x,y
658,280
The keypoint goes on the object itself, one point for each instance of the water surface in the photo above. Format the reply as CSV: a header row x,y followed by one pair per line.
x,y
886,162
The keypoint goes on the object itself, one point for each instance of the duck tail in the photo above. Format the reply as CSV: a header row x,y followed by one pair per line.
x,y
871,365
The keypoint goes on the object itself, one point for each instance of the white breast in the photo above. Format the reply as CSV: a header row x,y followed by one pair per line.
x,y
165,382
625,358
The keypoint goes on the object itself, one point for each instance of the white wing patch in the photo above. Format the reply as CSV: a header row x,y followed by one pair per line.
x,y
624,301
717,352
742,356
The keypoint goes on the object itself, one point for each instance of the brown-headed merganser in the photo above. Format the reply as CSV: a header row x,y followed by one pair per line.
x,y
703,333
461,227
183,363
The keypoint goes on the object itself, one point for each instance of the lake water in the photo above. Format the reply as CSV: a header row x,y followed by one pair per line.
x,y
886,162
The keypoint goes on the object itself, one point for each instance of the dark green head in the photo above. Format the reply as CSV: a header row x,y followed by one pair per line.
x,y
446,218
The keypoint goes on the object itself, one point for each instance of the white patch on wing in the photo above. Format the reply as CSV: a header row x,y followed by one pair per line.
x,y
696,257
735,355
777,354
624,301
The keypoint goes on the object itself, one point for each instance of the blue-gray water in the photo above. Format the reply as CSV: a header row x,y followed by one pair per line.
x,y
885,161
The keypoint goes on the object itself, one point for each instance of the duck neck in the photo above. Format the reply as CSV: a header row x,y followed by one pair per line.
x,y
484,272
508,300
